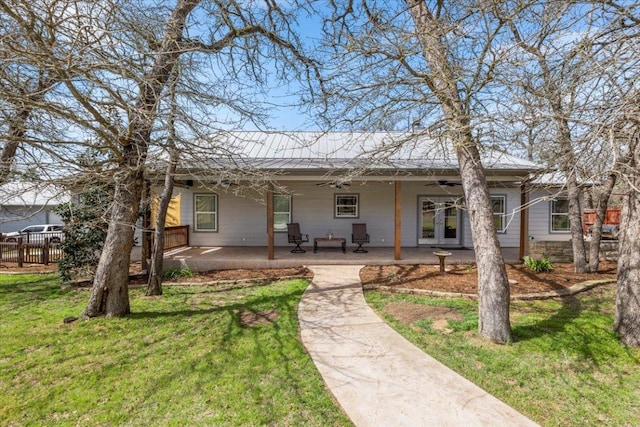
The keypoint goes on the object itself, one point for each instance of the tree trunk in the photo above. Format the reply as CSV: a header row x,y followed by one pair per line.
x,y
17,131
493,285
110,291
568,161
596,233
588,198
627,317
154,284
575,225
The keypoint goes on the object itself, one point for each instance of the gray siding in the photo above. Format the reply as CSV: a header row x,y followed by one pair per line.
x,y
242,219
510,237
540,217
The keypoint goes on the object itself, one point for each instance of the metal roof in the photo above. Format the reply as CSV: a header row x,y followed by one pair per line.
x,y
373,151
28,194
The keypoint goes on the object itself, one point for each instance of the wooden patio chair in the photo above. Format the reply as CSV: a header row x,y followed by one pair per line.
x,y
359,236
297,238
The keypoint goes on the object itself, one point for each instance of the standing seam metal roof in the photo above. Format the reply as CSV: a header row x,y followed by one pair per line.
x,y
344,150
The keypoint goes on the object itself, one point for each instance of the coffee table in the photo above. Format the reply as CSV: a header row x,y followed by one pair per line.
x,y
324,240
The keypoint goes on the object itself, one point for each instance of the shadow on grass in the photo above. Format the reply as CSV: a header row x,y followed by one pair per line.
x,y
554,324
251,304
249,357
30,287
580,326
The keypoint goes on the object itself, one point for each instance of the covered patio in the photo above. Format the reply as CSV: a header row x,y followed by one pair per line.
x,y
232,257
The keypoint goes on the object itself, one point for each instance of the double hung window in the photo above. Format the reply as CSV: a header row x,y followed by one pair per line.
x,y
560,215
206,212
346,206
498,204
281,211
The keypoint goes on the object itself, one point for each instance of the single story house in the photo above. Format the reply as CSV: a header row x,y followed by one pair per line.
x,y
404,186
27,203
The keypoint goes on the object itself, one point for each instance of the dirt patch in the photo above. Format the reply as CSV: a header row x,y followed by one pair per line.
x,y
464,278
408,313
253,318
12,268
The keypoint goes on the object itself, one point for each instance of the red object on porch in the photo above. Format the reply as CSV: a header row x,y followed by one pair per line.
x,y
589,218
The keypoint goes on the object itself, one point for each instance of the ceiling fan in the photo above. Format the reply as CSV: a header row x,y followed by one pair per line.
x,y
334,184
442,183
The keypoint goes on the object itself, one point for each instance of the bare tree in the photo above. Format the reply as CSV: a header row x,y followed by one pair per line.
x,y
154,282
553,66
616,44
493,285
112,61
28,29
627,317
238,30
431,61
110,293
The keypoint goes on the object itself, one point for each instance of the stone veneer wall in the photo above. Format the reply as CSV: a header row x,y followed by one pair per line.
x,y
563,252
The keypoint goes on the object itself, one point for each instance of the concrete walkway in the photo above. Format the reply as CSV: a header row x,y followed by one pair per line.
x,y
378,377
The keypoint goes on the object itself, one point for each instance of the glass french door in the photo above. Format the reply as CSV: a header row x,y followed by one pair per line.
x,y
439,221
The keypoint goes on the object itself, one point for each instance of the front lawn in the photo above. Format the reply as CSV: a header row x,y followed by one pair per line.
x,y
565,368
196,356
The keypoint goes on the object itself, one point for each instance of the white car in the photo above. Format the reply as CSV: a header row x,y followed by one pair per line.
x,y
53,231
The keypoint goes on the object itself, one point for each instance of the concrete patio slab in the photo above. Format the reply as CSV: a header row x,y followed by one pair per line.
x,y
378,377
230,257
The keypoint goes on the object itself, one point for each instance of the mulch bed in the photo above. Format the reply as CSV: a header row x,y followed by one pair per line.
x,y
458,279
464,278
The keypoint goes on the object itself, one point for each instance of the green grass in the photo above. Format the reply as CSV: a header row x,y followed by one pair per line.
x,y
180,359
564,368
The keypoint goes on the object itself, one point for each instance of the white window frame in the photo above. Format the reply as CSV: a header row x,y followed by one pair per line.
x,y
552,214
338,211
288,213
502,215
196,212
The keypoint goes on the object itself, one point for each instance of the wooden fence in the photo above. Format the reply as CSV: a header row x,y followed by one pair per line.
x,y
43,250
174,237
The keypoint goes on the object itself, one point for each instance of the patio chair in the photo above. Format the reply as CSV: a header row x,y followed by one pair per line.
x,y
359,235
296,237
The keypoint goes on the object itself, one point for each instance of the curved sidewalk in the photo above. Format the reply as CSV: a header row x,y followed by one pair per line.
x,y
378,377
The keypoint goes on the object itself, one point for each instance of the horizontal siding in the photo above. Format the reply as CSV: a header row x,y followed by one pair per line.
x,y
510,238
242,219
540,217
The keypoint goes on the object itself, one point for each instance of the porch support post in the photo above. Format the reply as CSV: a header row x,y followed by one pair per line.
x,y
398,221
270,238
524,219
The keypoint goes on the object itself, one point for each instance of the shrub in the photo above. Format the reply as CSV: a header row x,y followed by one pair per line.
x,y
85,231
538,265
